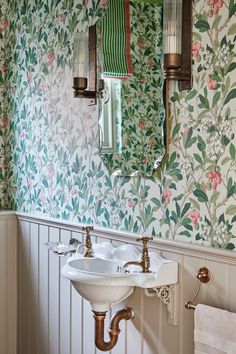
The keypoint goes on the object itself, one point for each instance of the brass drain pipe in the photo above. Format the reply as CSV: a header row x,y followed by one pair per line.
x,y
114,331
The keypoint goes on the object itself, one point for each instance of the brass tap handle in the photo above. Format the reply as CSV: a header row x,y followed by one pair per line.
x,y
87,229
145,260
88,242
145,240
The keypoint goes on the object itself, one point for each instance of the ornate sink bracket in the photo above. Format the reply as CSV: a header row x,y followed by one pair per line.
x,y
168,294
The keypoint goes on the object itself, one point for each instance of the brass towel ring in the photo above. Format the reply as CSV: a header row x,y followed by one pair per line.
x,y
203,276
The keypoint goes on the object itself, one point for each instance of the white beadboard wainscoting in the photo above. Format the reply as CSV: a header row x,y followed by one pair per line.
x,y
8,282
54,319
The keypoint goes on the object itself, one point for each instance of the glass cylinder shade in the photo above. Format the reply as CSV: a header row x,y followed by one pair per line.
x,y
81,55
172,27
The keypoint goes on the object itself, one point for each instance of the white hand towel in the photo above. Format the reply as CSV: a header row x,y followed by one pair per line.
x,y
215,331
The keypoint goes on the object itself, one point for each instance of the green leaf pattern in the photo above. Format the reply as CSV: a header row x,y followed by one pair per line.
x,y
49,159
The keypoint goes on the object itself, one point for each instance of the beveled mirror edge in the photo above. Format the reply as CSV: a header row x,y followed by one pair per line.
x,y
161,157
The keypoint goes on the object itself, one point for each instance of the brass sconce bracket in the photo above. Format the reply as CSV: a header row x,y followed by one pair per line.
x,y
87,87
179,66
168,294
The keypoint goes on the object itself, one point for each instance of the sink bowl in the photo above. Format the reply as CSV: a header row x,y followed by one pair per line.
x,y
103,282
100,281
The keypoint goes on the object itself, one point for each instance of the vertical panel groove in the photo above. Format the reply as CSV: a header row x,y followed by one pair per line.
x,y
142,320
181,304
70,310
227,282
48,341
59,299
81,325
30,291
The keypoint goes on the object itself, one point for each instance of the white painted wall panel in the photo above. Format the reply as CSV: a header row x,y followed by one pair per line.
x,y
62,322
12,284
43,319
3,288
8,283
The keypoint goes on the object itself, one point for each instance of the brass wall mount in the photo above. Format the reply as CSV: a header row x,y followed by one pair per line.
x,y
204,277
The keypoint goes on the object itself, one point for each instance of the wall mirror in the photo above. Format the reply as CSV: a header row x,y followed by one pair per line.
x,y
132,112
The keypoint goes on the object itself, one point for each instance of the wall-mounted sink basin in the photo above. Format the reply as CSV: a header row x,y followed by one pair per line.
x,y
102,280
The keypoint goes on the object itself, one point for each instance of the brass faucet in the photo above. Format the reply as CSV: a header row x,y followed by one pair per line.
x,y
145,259
88,242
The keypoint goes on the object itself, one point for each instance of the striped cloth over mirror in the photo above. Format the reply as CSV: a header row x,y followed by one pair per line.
x,y
115,40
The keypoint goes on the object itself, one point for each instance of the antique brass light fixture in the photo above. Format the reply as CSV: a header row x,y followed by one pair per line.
x,y
177,41
85,65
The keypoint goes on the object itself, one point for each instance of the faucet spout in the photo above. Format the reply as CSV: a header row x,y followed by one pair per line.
x,y
145,259
132,263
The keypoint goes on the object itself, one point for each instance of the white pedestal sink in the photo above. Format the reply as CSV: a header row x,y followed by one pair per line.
x,y
101,279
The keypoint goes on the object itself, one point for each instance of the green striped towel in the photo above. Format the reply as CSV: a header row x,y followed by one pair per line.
x,y
115,40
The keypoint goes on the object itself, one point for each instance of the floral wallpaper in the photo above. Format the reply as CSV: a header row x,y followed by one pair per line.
x,y
142,110
52,149
3,107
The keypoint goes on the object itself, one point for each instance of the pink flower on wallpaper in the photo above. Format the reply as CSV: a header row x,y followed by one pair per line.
x,y
4,23
74,191
3,165
30,78
142,124
4,122
196,49
211,84
167,195
42,86
21,135
3,68
98,201
195,216
62,18
186,130
150,63
215,179
51,57
215,6
29,183
141,43
50,109
104,4
51,172
131,203
42,197
152,142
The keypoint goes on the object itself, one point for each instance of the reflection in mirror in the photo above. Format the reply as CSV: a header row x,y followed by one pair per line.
x,y
132,113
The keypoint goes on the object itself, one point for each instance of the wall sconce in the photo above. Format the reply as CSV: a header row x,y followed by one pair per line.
x,y
177,41
85,65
